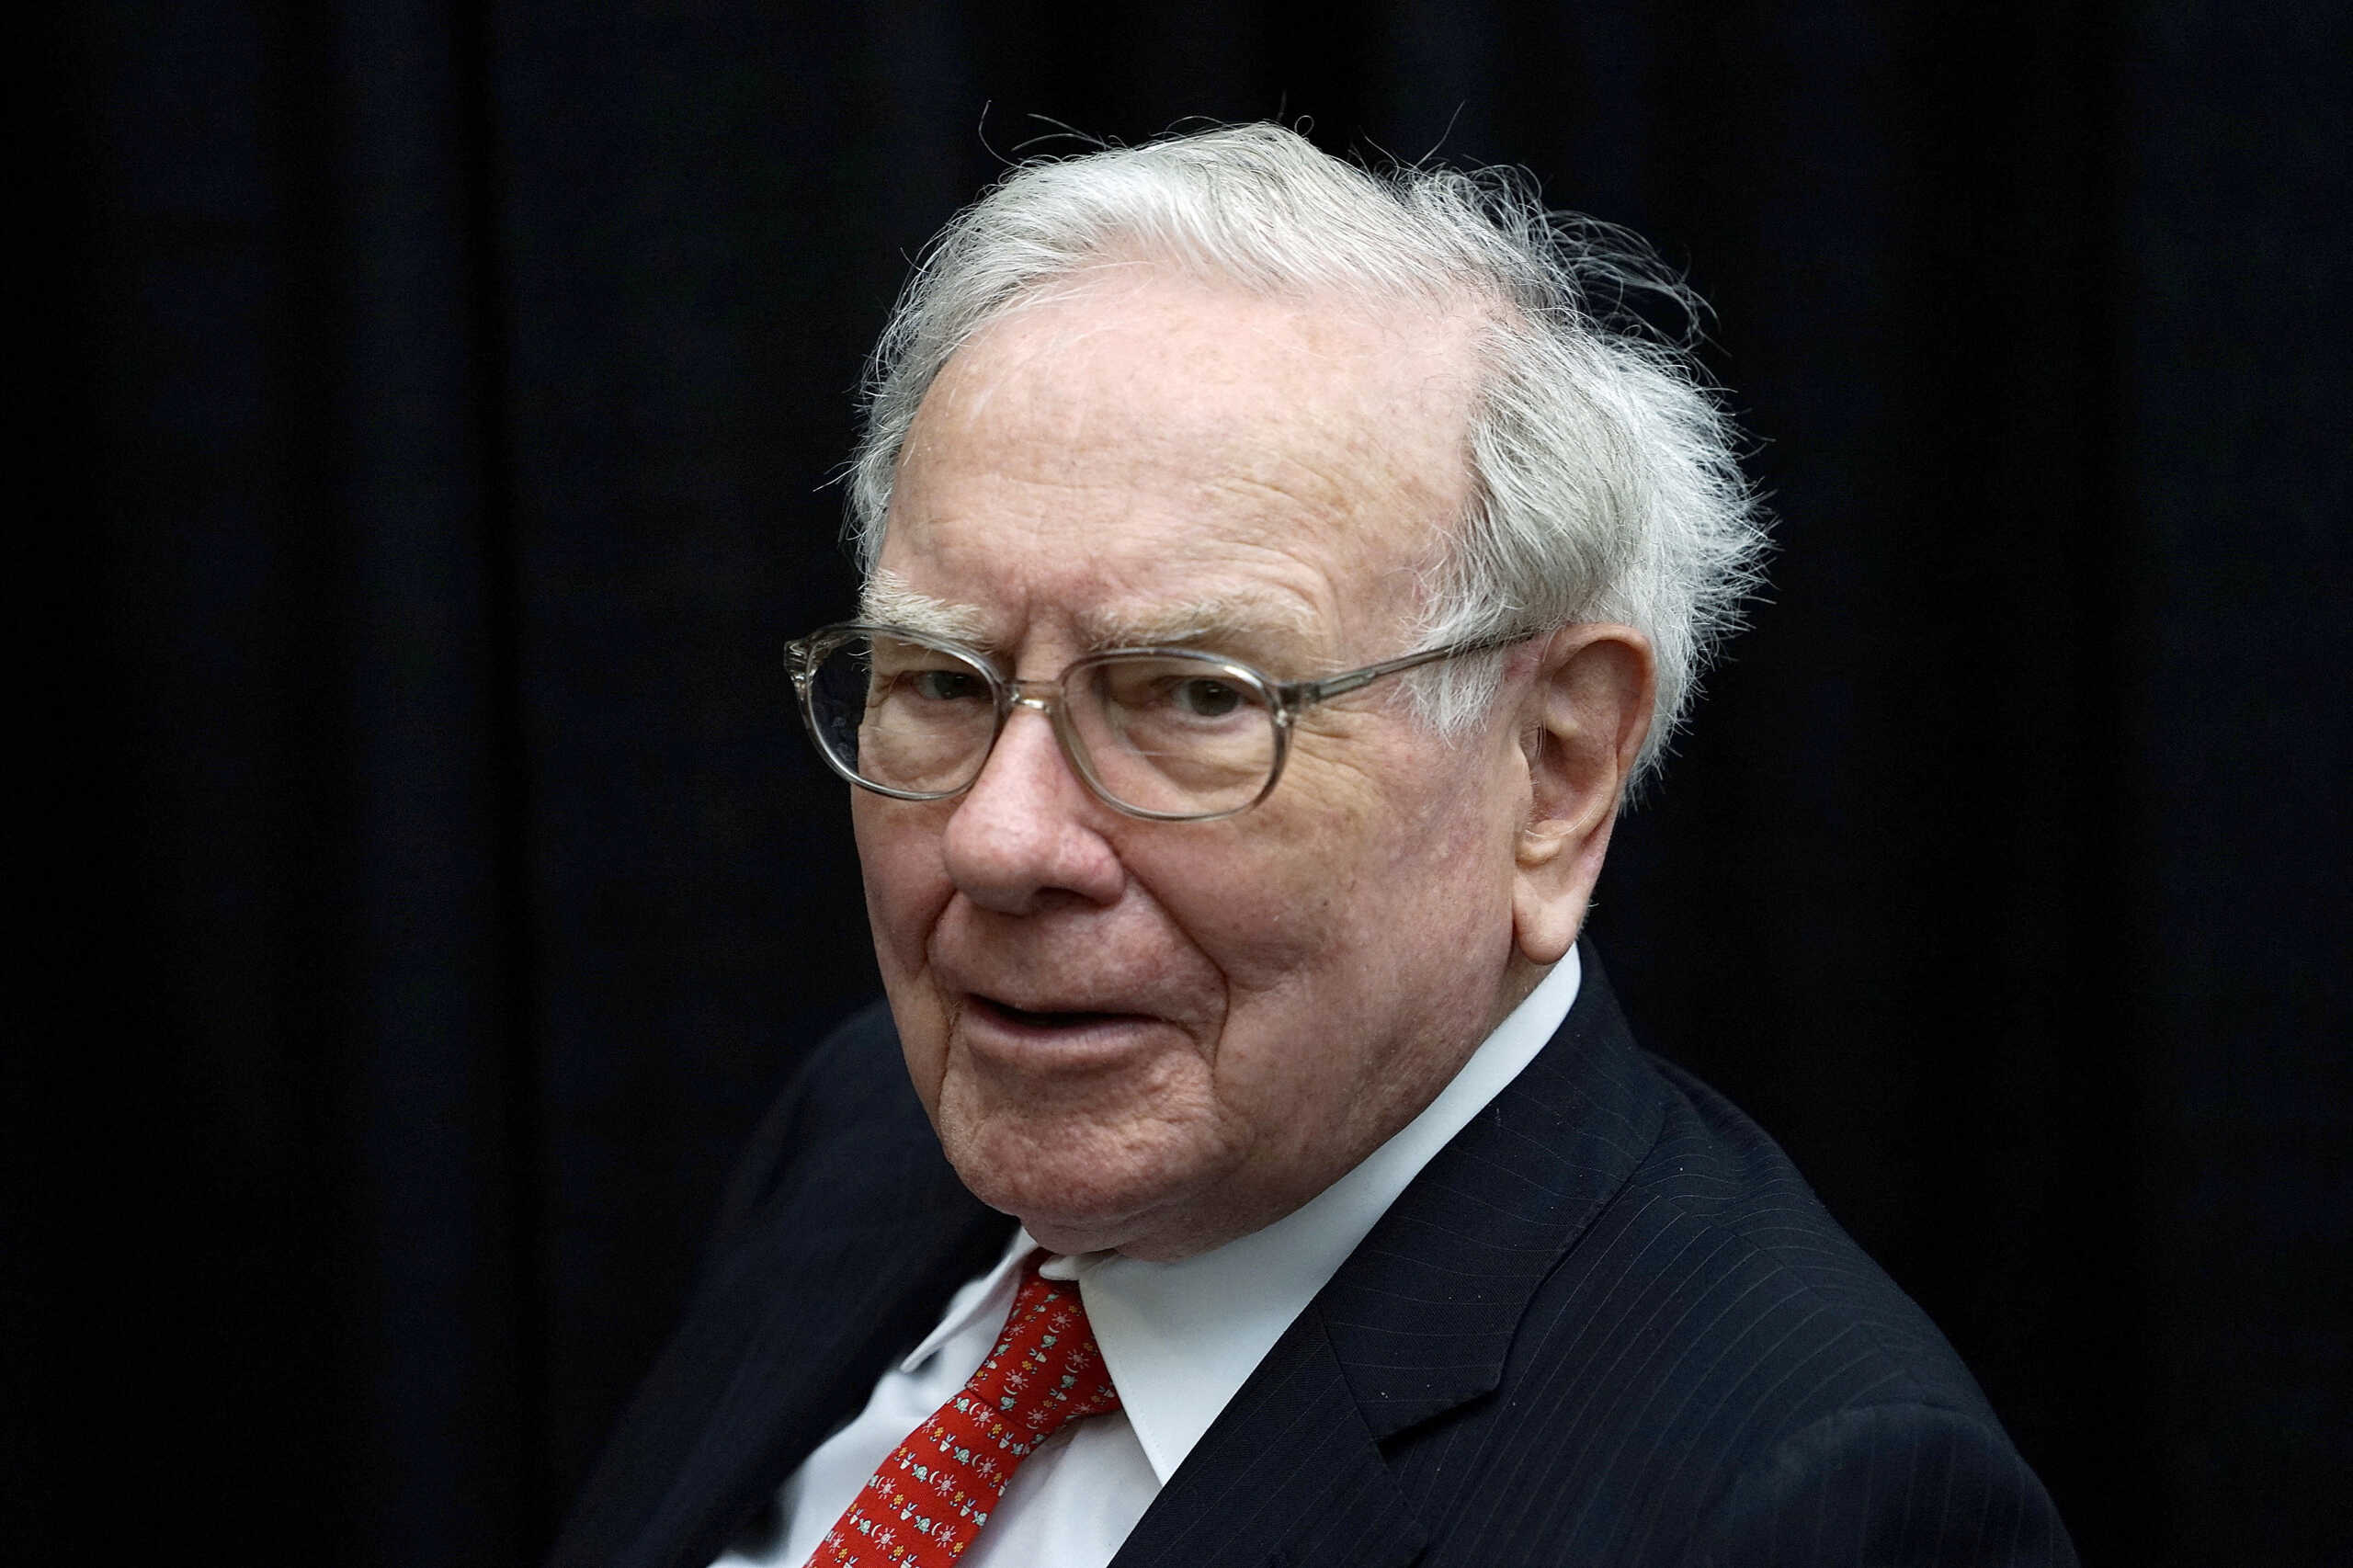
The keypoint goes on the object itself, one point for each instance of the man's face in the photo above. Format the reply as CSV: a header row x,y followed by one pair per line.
x,y
1157,1036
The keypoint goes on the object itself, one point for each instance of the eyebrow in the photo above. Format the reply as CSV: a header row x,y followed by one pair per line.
x,y
1249,616
887,600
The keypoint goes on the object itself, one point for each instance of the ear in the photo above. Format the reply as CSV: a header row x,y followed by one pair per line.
x,y
1581,727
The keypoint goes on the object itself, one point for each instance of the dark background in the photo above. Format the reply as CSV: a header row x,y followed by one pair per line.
x,y
440,413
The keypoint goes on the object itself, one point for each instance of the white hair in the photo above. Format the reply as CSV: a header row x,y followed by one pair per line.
x,y
1605,484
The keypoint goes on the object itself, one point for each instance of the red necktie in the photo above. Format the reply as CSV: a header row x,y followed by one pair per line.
x,y
922,1509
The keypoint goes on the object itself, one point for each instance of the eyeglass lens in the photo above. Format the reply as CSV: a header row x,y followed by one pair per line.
x,y
1174,735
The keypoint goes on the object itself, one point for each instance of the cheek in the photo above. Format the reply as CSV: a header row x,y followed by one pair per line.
x,y
1276,903
907,890
904,869
1373,830
1358,892
1267,905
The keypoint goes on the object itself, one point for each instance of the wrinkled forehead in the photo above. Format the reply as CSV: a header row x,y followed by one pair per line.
x,y
1137,445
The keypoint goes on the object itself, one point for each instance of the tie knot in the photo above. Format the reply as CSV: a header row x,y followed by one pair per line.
x,y
922,1509
1046,1368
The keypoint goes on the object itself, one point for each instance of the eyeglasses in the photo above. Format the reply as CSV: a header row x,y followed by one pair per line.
x,y
1170,734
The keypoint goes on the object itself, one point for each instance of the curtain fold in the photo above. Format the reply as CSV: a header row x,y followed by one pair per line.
x,y
460,392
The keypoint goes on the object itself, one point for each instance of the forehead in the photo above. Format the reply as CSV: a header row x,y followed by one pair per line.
x,y
1143,446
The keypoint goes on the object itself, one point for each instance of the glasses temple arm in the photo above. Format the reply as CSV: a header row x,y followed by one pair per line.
x,y
1304,693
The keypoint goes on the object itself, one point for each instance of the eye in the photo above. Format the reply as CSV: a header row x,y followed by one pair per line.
x,y
945,685
1203,697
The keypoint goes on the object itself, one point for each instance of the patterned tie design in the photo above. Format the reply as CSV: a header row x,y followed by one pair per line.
x,y
922,1509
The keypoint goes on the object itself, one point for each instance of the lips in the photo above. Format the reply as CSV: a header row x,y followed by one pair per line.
x,y
1055,990
1007,1013
1057,1040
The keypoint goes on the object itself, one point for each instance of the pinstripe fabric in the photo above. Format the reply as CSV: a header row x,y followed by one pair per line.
x,y
1608,1325
842,1236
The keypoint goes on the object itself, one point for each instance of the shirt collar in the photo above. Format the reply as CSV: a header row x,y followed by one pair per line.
x,y
991,1294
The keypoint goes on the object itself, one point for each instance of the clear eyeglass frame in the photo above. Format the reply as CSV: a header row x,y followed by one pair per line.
x,y
1283,701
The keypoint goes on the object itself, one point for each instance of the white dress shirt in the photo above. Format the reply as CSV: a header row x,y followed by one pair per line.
x,y
1179,1338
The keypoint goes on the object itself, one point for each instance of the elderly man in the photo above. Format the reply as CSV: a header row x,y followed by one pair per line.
x,y
1276,578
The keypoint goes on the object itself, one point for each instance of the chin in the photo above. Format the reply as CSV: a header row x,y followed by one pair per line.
x,y
1087,1188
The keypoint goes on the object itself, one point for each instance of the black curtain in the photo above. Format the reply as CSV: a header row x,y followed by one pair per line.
x,y
443,414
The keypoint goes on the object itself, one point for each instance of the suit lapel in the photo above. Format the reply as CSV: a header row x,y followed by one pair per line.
x,y
1417,1322
785,1340
1289,1473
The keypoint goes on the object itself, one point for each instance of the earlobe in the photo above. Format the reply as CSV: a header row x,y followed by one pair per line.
x,y
1581,730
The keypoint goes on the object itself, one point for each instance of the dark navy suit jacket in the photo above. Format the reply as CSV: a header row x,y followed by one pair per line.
x,y
1608,1323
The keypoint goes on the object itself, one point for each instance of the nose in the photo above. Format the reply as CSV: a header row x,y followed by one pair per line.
x,y
1029,828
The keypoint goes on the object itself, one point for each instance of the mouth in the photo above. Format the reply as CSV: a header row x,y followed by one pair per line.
x,y
1058,1040
1005,1015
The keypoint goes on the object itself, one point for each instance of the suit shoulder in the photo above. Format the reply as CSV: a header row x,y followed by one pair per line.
x,y
848,1103
1715,1354
1891,1484
1719,1197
